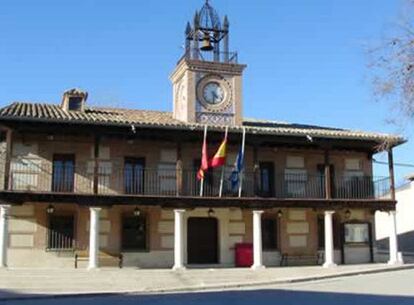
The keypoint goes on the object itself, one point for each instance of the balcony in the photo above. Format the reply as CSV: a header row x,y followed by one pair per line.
x,y
36,177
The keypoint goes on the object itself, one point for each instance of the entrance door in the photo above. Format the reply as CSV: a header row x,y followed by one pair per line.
x,y
202,240
267,179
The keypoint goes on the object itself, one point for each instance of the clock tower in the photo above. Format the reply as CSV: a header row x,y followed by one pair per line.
x,y
207,81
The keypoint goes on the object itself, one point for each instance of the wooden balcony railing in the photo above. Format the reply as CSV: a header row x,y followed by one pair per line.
x,y
168,181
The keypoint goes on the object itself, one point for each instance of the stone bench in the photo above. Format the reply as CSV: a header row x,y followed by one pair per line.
x,y
107,257
309,259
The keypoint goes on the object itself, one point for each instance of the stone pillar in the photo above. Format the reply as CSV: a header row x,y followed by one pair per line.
x,y
257,241
394,257
329,245
4,214
94,238
179,240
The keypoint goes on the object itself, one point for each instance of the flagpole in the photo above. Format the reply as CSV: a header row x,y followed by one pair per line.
x,y
202,180
223,168
242,162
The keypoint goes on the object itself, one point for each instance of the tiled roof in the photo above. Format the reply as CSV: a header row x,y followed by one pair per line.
x,y
145,118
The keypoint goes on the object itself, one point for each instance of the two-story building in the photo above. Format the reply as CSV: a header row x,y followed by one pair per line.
x,y
102,183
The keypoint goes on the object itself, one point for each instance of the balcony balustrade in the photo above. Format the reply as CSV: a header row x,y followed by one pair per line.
x,y
41,177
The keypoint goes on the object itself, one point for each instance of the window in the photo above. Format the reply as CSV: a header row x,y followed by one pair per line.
x,y
267,179
167,172
269,234
296,181
167,178
356,185
63,173
60,233
296,178
356,233
134,175
75,103
134,233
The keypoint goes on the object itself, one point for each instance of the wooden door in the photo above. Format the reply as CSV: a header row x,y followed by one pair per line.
x,y
267,179
202,240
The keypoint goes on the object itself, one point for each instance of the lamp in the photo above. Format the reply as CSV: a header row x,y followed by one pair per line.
x,y
347,214
279,214
210,212
50,209
137,212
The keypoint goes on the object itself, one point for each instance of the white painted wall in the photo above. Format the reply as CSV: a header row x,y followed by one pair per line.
x,y
405,218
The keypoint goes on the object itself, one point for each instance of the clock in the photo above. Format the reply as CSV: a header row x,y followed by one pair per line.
x,y
213,93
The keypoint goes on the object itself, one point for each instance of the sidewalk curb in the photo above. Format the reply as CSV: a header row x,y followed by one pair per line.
x,y
206,288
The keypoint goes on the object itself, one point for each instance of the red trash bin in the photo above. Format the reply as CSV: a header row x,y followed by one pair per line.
x,y
244,254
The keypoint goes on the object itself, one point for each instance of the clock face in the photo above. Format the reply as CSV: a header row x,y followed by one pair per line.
x,y
213,93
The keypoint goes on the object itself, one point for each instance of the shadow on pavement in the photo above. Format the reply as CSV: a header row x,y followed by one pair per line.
x,y
254,297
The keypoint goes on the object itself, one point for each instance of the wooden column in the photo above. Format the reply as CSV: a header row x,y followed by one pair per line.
x,y
9,143
391,172
179,170
328,182
96,165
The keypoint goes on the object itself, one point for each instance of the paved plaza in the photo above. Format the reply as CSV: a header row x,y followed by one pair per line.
x,y
26,283
380,289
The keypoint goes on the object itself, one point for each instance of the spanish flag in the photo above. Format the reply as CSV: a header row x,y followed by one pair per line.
x,y
204,158
219,158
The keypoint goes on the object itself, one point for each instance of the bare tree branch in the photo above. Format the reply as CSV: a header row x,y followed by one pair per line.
x,y
391,65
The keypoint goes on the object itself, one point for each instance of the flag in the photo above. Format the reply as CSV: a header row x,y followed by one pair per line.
x,y
219,158
237,169
204,158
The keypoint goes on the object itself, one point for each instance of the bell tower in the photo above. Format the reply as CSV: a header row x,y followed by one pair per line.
x,y
207,81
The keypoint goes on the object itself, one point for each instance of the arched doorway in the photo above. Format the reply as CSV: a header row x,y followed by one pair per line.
x,y
202,240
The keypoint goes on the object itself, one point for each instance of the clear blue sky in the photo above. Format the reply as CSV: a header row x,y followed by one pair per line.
x,y
306,59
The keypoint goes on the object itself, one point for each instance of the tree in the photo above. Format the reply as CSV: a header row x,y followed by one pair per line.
x,y
392,65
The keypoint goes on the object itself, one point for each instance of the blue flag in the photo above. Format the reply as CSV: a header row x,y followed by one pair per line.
x,y
237,169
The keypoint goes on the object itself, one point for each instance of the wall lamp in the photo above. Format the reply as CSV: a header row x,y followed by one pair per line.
x,y
50,209
137,212
279,214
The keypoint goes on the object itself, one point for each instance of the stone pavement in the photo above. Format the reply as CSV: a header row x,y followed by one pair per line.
x,y
29,283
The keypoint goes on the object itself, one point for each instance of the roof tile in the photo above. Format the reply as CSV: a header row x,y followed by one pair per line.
x,y
118,116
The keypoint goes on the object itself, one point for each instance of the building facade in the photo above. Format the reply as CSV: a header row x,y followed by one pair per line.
x,y
91,187
405,225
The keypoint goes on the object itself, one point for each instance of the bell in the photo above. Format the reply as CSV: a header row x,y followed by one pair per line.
x,y
206,46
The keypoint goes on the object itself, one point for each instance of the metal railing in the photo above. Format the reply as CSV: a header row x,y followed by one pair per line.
x,y
360,187
37,176
223,57
59,242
